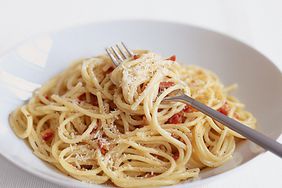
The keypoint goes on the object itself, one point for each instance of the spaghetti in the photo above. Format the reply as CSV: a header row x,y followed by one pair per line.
x,y
99,124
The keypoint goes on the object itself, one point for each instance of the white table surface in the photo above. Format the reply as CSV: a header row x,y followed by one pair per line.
x,y
256,22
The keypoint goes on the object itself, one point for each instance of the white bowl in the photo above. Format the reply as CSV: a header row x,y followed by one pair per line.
x,y
33,62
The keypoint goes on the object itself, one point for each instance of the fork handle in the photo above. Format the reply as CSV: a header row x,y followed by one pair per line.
x,y
253,135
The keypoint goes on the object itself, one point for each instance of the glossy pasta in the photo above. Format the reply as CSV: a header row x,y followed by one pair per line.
x,y
101,124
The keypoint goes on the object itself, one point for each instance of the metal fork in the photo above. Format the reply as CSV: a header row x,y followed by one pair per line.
x,y
253,135
119,53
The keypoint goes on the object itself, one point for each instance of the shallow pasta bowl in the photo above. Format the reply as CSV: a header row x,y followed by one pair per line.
x,y
33,62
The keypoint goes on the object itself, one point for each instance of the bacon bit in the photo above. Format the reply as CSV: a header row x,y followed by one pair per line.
x,y
224,109
172,58
176,118
103,151
175,155
179,117
47,134
189,109
102,148
165,85
136,56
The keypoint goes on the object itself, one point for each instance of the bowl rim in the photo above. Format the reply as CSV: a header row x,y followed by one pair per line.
x,y
157,21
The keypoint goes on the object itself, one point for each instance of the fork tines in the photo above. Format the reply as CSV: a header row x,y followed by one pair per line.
x,y
119,53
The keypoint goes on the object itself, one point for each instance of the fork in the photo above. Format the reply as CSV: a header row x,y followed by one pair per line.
x,y
253,135
119,53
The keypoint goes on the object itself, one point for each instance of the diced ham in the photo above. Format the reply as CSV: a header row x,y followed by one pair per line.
x,y
179,117
165,85
103,151
102,147
189,109
47,134
176,118
135,56
224,109
172,58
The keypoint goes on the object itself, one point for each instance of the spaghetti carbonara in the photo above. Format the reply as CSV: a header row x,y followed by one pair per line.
x,y
101,124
